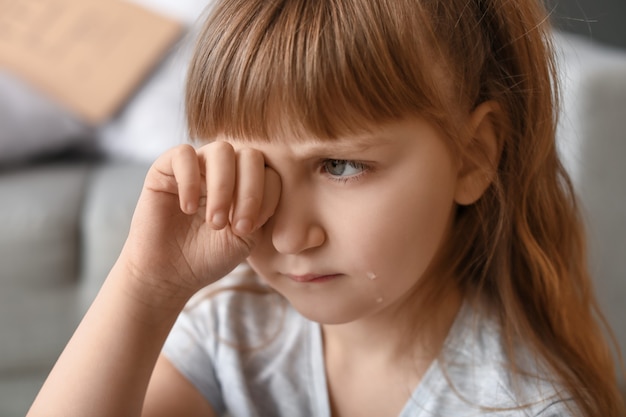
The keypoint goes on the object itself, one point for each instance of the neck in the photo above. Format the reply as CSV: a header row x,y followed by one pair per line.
x,y
394,335
373,365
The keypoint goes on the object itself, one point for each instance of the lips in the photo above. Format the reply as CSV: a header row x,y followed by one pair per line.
x,y
312,278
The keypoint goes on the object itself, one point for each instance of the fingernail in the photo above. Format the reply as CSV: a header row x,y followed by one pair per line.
x,y
219,219
243,227
190,208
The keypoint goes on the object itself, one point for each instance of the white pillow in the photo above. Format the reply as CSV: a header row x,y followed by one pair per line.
x,y
33,125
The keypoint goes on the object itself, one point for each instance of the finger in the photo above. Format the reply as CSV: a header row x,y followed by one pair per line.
x,y
248,190
271,196
186,170
220,171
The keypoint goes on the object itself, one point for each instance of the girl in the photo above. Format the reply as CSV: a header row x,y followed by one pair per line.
x,y
388,170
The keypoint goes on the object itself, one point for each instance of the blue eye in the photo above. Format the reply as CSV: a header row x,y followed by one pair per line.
x,y
343,168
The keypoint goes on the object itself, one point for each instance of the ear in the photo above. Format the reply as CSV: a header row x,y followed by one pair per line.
x,y
480,155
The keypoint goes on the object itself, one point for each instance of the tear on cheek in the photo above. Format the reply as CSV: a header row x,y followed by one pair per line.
x,y
371,276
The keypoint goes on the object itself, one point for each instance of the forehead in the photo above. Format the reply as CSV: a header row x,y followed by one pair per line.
x,y
311,145
378,137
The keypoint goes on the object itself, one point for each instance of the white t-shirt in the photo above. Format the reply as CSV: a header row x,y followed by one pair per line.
x,y
253,355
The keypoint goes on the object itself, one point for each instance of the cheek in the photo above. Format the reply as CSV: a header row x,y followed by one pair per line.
x,y
401,230
259,258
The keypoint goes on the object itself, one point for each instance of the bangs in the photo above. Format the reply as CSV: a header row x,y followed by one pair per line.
x,y
324,69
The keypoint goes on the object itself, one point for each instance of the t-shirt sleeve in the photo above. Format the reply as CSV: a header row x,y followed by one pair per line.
x,y
191,348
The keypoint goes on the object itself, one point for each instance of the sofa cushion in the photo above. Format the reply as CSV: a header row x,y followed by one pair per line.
x,y
109,204
39,255
41,205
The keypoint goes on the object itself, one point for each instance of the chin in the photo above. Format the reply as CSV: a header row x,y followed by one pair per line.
x,y
328,314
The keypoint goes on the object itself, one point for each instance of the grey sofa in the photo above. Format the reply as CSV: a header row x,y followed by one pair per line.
x,y
63,221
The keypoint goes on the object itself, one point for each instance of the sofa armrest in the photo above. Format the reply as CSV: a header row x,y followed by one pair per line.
x,y
592,136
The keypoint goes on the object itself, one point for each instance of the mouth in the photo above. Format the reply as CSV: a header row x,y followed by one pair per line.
x,y
312,278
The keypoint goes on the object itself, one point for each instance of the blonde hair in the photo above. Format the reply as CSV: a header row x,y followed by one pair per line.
x,y
327,68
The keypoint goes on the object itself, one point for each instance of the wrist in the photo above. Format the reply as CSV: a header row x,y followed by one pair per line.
x,y
153,296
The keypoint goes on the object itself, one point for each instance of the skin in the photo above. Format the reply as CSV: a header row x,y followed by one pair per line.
x,y
387,212
383,213
295,211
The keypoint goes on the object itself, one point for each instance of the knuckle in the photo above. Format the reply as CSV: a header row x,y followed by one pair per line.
x,y
222,187
249,203
221,146
183,150
251,154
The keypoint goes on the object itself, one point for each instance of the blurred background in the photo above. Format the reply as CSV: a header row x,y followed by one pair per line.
x,y
602,21
68,186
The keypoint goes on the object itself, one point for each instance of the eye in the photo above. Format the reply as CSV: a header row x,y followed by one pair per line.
x,y
343,168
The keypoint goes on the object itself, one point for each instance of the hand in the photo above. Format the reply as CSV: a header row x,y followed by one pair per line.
x,y
198,216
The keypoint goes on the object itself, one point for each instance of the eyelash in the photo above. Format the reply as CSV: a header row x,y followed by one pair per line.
x,y
364,169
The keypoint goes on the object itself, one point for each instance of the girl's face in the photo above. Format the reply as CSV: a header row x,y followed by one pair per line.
x,y
359,219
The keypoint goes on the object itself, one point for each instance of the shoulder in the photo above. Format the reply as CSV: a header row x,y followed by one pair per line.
x,y
480,375
238,295
240,335
237,311
558,408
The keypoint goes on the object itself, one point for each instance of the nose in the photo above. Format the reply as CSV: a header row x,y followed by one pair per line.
x,y
295,225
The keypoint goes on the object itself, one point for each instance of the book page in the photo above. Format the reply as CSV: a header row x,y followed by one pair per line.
x,y
89,55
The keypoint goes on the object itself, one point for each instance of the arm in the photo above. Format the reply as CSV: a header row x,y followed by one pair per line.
x,y
105,368
171,394
174,248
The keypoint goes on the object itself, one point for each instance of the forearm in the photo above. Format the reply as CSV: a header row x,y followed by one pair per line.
x,y
172,250
106,366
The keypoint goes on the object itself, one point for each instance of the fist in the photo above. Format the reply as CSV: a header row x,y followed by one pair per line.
x,y
199,215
